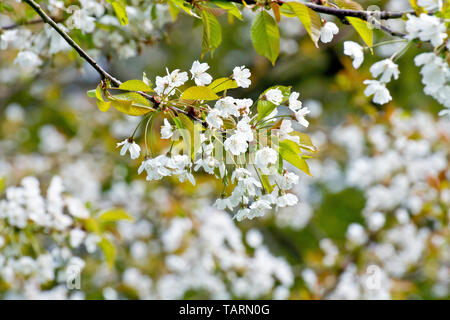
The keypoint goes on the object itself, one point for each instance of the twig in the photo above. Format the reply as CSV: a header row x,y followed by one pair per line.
x,y
27,23
342,13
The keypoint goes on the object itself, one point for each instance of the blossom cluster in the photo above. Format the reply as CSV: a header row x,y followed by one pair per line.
x,y
53,246
232,142
435,70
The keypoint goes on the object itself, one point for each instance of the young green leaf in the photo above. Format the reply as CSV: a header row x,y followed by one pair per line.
x,y
103,106
289,151
364,30
305,141
190,133
199,93
229,6
135,85
266,184
173,9
266,36
264,108
114,215
109,251
361,26
2,184
212,32
309,18
222,84
120,11
131,103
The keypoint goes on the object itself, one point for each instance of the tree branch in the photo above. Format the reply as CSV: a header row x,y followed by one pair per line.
x,y
73,44
342,13
27,23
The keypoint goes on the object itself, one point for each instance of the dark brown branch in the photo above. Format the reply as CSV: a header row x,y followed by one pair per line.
x,y
342,13
27,23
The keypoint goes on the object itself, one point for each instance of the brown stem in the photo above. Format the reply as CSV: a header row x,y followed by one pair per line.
x,y
27,23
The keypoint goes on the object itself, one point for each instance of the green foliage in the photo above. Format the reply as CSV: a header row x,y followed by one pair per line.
x,y
199,93
135,85
338,210
362,27
212,32
305,141
266,107
114,215
229,6
190,133
290,151
266,36
119,9
222,84
109,251
131,103
309,18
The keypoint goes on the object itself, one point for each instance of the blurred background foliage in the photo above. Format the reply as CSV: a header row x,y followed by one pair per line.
x,y
56,97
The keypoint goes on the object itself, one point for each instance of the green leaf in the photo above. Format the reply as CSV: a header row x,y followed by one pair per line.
x,y
266,184
190,133
119,9
222,84
305,141
91,93
289,151
349,4
135,85
199,93
173,9
114,215
265,108
2,184
103,106
181,4
309,18
364,30
229,6
109,251
212,32
362,27
266,36
131,103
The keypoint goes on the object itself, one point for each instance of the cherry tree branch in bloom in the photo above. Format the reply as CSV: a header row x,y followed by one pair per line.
x,y
104,74
71,42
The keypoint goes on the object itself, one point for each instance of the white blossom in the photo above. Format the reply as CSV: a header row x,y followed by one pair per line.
x,y
199,74
379,91
131,146
241,75
426,28
355,51
300,116
294,103
28,60
166,130
327,32
274,95
386,68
